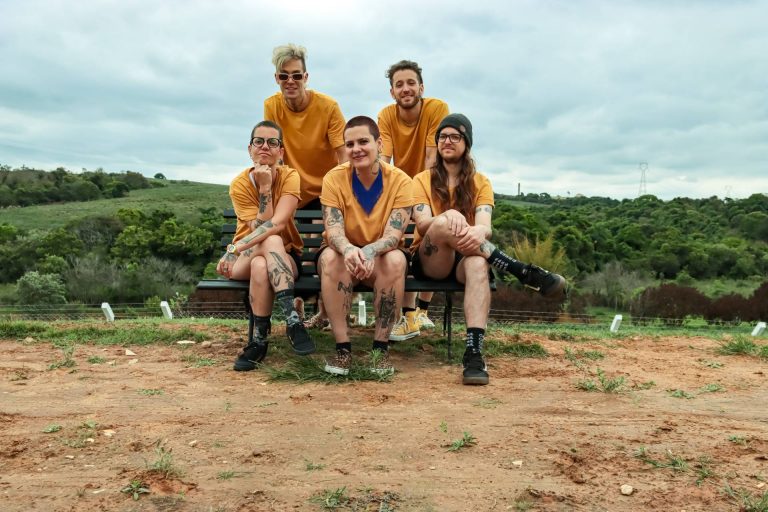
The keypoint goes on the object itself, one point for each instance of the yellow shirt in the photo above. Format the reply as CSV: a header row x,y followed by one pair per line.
x,y
310,138
422,194
407,144
361,228
245,199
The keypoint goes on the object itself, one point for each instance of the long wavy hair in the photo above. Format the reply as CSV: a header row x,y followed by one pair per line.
x,y
463,194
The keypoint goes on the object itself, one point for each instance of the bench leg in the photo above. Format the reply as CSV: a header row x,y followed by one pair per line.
x,y
448,322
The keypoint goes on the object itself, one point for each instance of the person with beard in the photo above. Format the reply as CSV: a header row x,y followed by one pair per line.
x,y
453,204
408,138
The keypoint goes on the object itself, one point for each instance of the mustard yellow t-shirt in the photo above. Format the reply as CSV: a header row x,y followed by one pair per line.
x,y
407,144
310,138
362,229
245,200
422,194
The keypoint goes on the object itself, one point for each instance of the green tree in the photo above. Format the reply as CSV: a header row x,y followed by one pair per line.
x,y
36,288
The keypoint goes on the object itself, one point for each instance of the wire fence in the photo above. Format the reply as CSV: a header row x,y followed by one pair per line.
x,y
236,310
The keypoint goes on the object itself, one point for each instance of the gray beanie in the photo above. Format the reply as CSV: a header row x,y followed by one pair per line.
x,y
461,123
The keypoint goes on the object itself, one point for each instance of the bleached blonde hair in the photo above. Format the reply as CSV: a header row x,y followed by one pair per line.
x,y
286,52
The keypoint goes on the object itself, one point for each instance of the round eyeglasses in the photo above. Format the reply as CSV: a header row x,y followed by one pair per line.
x,y
272,142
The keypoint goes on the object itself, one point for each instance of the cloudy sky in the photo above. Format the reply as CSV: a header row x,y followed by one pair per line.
x,y
566,97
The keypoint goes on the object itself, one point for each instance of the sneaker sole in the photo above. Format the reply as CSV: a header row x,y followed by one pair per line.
x,y
305,351
382,372
425,325
397,337
334,370
242,367
475,381
555,289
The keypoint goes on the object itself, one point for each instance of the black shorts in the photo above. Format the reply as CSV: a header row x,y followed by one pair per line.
x,y
418,271
405,253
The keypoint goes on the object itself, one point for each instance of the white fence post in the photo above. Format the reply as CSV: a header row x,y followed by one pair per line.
x,y
107,309
759,328
361,319
616,323
166,309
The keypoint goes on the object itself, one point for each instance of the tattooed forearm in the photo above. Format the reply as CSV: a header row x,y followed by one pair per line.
x,y
264,201
379,247
340,243
347,290
280,272
484,208
386,308
256,233
332,217
429,247
256,223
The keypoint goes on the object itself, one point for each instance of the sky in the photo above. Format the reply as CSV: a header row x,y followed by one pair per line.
x,y
566,97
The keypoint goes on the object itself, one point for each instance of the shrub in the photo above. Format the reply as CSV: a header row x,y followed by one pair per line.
x,y
670,302
36,288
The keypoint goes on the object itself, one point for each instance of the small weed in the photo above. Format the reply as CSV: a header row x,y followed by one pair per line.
x,y
487,403
747,501
443,427
466,441
712,388
67,362
85,432
521,350
587,385
135,489
740,440
228,475
703,470
96,360
607,385
646,385
308,369
711,364
331,500
560,336
680,393
739,346
227,406
164,463
310,466
199,361
52,428
20,374
674,462
150,392
266,404
523,505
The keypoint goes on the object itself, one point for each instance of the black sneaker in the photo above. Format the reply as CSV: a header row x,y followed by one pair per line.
x,y
301,341
546,283
475,371
252,354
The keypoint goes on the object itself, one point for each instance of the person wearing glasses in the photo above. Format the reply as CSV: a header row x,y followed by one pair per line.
x,y
314,130
453,207
408,129
366,206
266,248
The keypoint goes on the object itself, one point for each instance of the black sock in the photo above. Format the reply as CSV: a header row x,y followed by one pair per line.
x,y
475,337
380,345
285,299
406,310
498,259
422,304
344,347
261,326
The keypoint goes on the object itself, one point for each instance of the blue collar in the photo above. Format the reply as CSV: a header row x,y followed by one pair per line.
x,y
367,198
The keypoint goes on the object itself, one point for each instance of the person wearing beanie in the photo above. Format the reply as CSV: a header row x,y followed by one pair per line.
x,y
408,128
453,207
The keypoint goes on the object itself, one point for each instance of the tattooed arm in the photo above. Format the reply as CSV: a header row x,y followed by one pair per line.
x,y
475,235
283,214
422,216
261,177
393,232
333,221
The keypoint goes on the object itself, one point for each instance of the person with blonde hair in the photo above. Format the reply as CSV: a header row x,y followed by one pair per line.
x,y
453,207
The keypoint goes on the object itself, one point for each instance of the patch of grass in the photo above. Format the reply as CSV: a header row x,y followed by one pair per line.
x,y
85,431
520,350
646,385
487,403
310,466
96,360
228,475
604,384
711,364
331,500
703,468
740,440
164,464
150,392
53,427
19,329
136,488
199,361
712,388
308,369
746,501
680,393
466,441
673,462
443,427
67,361
740,345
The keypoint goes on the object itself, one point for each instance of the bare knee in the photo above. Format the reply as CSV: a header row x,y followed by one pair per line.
x,y
273,243
394,263
258,268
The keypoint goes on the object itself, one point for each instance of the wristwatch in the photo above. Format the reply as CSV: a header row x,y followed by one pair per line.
x,y
232,249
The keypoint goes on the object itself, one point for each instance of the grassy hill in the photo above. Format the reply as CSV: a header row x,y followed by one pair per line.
x,y
183,197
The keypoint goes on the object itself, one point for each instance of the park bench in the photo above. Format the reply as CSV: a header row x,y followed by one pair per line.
x,y
309,283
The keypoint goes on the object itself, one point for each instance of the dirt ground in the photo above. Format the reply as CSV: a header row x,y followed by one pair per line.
x,y
228,441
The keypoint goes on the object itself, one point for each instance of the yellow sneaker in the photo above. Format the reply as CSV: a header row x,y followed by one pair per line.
x,y
423,320
405,328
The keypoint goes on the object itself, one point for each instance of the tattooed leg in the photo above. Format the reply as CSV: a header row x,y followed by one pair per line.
x,y
389,282
336,286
